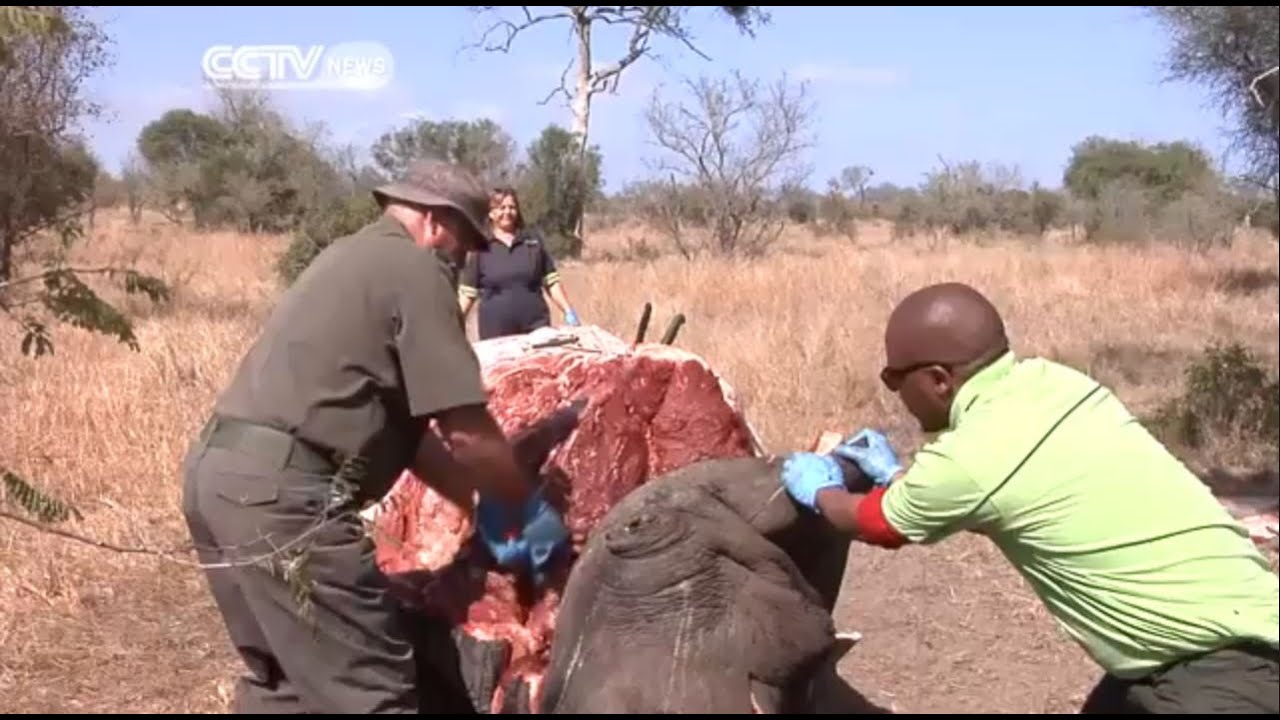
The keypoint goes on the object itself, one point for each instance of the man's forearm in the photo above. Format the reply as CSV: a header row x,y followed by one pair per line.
x,y
840,508
491,468
472,454
437,468
859,515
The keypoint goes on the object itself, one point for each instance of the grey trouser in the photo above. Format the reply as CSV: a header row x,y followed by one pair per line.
x,y
1240,680
315,625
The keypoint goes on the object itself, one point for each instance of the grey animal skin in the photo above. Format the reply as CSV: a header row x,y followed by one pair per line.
x,y
705,590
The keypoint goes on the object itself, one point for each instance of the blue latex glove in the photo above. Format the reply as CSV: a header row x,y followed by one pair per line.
x,y
871,451
498,526
805,473
571,318
524,539
544,532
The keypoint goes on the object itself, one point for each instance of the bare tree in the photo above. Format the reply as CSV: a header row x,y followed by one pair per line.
x,y
133,181
738,144
646,23
855,179
591,78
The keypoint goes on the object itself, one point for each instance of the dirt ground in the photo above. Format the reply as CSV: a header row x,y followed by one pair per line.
x,y
945,629
953,629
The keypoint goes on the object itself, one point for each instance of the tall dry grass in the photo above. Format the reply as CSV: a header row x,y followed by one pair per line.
x,y
798,335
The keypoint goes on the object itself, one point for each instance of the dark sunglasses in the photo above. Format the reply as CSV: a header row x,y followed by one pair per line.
x,y
892,377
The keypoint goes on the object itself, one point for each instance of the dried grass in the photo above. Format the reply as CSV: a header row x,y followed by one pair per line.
x,y
798,335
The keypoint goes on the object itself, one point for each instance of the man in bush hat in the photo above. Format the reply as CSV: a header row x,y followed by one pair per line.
x,y
330,404
1128,550
449,190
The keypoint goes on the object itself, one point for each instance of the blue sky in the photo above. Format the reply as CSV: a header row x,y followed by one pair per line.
x,y
894,88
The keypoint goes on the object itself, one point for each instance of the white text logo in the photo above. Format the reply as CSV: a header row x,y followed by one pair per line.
x,y
346,66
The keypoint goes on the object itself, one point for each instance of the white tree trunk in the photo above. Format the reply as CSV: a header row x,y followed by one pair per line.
x,y
582,96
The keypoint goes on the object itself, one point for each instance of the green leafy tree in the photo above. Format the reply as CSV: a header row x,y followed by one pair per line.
x,y
47,177
556,188
178,149
245,166
1232,51
1130,191
47,182
482,146
1166,170
321,228
351,209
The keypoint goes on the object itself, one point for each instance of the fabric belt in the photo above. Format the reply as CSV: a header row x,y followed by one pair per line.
x,y
276,447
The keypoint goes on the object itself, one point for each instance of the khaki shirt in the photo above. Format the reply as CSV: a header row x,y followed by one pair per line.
x,y
367,343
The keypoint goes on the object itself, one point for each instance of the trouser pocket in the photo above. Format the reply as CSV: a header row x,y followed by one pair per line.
x,y
252,512
249,492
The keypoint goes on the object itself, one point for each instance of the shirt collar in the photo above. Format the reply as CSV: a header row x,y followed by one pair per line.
x,y
984,380
392,227
522,237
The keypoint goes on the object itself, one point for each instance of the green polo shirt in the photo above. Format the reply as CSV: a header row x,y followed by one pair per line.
x,y
1125,546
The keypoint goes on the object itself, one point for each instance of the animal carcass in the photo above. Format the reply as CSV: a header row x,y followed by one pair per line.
x,y
648,410
720,589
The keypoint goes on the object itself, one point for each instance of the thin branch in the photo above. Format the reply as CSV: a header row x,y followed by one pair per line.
x,y
90,541
734,173
104,270
645,20
1253,86
688,42
170,556
636,48
663,18
563,87
512,29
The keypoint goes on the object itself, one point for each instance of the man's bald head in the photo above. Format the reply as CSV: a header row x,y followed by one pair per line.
x,y
936,338
946,324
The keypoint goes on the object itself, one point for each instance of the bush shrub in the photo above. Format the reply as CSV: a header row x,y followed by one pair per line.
x,y
321,227
1225,391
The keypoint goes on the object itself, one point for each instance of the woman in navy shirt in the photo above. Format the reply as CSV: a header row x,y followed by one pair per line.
x,y
510,278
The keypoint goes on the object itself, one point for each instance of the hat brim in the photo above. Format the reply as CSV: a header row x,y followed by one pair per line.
x,y
479,237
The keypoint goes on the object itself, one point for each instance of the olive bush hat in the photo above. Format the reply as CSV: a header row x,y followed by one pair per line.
x,y
438,183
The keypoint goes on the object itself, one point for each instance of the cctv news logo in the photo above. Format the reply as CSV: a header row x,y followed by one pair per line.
x,y
346,66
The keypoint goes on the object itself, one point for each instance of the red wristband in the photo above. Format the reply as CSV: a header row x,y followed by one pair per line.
x,y
873,526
